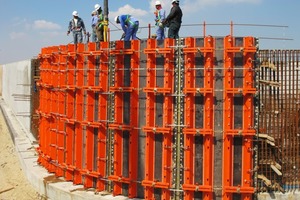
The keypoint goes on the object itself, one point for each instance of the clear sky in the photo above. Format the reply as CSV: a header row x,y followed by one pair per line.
x,y
27,26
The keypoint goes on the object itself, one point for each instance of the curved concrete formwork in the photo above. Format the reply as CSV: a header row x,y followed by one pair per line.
x,y
55,188
46,184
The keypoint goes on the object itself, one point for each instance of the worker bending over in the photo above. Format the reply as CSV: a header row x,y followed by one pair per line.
x,y
129,25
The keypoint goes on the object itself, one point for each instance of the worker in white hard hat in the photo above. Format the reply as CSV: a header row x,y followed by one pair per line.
x,y
76,25
174,20
100,23
129,25
160,15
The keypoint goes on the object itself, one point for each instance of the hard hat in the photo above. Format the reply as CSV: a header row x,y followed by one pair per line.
x,y
157,3
116,19
175,1
97,6
75,13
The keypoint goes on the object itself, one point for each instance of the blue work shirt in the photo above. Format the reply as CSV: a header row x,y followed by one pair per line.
x,y
94,20
127,21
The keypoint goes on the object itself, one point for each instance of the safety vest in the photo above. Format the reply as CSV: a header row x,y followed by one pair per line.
x,y
128,20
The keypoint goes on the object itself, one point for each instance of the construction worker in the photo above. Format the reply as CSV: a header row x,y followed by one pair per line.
x,y
160,16
129,25
76,25
94,23
100,23
173,20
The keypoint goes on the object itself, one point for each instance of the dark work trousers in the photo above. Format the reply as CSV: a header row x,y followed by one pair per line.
x,y
174,30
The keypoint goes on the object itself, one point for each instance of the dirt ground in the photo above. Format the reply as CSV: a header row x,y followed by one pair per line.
x,y
13,183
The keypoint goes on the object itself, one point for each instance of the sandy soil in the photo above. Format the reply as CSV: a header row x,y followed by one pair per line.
x,y
13,183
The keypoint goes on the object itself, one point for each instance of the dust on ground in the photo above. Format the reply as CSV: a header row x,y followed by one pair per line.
x,y
13,182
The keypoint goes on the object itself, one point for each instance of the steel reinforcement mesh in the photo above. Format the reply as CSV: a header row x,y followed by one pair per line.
x,y
279,133
156,119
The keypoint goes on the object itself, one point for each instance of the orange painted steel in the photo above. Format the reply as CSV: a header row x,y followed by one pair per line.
x,y
247,132
79,106
102,116
152,128
190,185
88,122
69,87
119,125
61,65
90,138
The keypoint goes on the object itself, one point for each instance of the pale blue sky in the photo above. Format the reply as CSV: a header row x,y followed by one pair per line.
x,y
27,26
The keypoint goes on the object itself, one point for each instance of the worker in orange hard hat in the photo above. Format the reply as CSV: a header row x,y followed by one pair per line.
x,y
76,25
160,15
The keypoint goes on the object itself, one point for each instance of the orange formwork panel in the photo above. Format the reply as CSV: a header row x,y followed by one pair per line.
x,y
124,127
53,110
106,107
69,87
153,130
79,96
190,184
88,122
248,50
60,115
102,116
44,108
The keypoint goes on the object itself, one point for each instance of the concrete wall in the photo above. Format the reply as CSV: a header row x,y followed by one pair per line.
x,y
16,89
1,69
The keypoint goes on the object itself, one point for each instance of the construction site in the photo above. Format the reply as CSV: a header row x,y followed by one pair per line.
x,y
208,117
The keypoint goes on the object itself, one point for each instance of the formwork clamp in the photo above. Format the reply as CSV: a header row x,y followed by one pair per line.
x,y
239,189
157,130
119,127
243,91
122,51
121,89
119,179
193,131
158,51
236,132
155,184
196,188
157,90
198,90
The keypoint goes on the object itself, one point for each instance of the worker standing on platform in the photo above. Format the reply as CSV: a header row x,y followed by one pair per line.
x,y
160,15
94,23
76,25
129,25
173,20
100,23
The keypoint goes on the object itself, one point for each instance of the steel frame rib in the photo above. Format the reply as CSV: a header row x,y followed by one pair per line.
x,y
151,128
89,117
79,114
134,119
61,111
191,131
150,122
248,131
54,110
102,117
69,86
118,126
